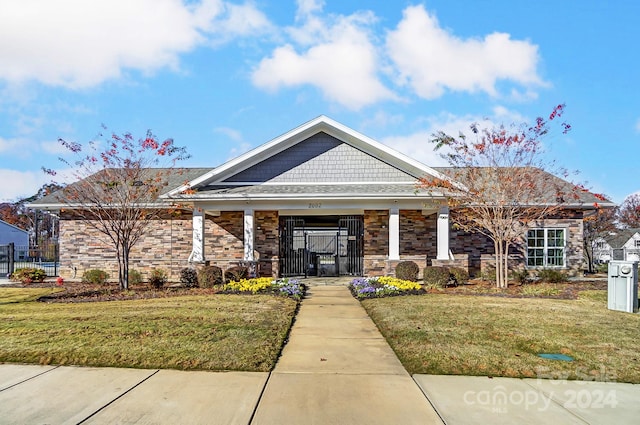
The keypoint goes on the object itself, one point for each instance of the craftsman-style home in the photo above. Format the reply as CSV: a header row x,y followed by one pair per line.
x,y
320,200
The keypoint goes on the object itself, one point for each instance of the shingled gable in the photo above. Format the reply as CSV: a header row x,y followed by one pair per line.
x,y
320,156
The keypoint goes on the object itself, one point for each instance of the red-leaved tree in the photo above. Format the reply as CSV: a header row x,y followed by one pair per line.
x,y
119,180
500,182
629,212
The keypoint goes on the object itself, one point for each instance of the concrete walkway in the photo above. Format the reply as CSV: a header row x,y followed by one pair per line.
x,y
335,369
338,369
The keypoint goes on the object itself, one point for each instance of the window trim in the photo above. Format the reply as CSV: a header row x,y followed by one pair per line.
x,y
545,248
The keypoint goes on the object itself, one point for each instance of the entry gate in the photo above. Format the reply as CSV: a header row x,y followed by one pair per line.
x,y
307,249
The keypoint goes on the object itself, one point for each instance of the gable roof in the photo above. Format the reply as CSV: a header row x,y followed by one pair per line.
x,y
620,238
297,156
13,227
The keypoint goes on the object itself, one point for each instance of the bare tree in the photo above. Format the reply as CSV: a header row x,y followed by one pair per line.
x,y
597,226
629,212
119,181
500,182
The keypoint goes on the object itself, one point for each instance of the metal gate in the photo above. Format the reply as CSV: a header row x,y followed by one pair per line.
x,y
307,249
45,257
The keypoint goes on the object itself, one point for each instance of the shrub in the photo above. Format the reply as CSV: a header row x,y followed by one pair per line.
x,y
236,273
521,276
552,276
95,276
29,275
135,277
208,276
158,278
189,277
540,291
436,277
407,270
458,275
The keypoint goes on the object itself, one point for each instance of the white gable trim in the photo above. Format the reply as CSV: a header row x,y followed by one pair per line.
x,y
303,132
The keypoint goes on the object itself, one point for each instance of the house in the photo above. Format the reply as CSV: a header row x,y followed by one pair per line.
x,y
620,245
10,234
321,199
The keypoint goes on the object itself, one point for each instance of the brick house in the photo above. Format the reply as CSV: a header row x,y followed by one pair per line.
x,y
319,200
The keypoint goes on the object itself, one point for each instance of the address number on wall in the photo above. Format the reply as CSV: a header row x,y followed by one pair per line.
x,y
315,205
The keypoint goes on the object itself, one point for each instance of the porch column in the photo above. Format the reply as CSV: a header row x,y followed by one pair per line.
x,y
394,234
443,234
248,235
197,249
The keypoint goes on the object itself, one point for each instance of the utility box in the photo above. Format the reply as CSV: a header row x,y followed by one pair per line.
x,y
623,286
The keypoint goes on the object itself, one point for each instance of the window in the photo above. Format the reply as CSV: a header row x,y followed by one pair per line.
x,y
637,243
546,247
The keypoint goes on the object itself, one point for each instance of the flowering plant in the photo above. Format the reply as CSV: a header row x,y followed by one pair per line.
x,y
384,286
291,288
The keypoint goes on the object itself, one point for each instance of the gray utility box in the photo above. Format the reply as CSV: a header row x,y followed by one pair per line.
x,y
623,286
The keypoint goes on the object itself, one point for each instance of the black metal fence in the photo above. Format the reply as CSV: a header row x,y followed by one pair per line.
x,y
45,257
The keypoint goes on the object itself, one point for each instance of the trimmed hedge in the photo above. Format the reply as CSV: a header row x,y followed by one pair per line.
x,y
407,270
209,276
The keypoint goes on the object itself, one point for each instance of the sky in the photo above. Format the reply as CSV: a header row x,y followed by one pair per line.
x,y
223,77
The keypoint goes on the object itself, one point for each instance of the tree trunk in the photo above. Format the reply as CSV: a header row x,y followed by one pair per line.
x,y
498,249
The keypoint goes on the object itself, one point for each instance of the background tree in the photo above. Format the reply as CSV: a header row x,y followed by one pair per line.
x,y
500,182
41,225
119,181
597,226
629,212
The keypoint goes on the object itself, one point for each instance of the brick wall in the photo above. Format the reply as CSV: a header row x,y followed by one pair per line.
x,y
266,242
166,245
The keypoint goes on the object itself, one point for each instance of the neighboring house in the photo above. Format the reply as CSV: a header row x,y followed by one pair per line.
x,y
321,199
15,235
621,245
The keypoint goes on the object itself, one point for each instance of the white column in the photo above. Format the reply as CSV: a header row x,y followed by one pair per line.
x,y
394,234
197,249
443,234
248,235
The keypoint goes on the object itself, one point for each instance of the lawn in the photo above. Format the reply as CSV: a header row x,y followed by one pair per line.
x,y
212,332
499,336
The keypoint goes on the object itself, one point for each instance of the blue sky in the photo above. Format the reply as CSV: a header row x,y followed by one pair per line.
x,y
222,77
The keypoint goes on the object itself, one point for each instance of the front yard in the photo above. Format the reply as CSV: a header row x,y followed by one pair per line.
x,y
500,336
206,332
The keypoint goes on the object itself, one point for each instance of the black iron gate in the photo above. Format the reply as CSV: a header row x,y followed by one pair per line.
x,y
335,248
45,257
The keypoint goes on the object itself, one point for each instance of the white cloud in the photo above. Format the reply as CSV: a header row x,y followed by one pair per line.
x,y
231,133
418,144
9,145
76,43
638,125
432,60
336,54
23,184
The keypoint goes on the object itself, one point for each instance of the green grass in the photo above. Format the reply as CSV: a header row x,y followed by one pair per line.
x,y
496,336
17,295
216,332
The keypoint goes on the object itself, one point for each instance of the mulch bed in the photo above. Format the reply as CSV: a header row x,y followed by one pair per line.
x,y
76,292
568,290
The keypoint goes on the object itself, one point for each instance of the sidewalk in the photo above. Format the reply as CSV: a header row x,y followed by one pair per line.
x,y
335,369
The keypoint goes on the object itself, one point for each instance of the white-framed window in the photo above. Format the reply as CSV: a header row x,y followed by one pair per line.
x,y
600,245
637,243
546,247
